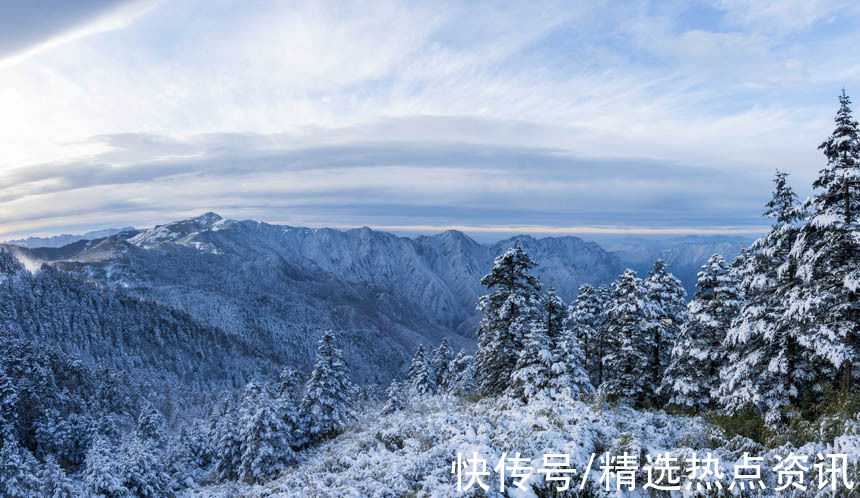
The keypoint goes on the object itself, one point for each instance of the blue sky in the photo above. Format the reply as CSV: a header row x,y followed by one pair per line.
x,y
544,117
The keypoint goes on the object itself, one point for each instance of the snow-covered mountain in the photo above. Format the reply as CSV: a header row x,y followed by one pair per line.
x,y
278,287
66,238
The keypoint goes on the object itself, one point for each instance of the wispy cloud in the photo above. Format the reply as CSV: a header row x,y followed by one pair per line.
x,y
651,115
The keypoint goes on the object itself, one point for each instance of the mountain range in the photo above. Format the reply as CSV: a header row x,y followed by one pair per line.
x,y
261,294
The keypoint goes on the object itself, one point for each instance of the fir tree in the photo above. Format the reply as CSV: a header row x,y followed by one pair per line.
x,y
18,471
143,468
825,301
583,323
440,360
286,404
421,377
669,311
533,370
394,398
229,445
568,370
692,378
507,311
767,367
627,357
8,407
461,371
554,312
326,404
103,471
54,483
289,383
151,427
265,444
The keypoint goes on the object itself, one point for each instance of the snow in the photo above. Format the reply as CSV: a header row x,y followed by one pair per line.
x,y
410,452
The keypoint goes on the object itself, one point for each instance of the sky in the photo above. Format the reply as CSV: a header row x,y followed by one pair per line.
x,y
595,117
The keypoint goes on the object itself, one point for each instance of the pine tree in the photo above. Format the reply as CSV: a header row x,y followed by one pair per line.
x,y
767,367
289,383
627,357
394,398
554,312
103,471
461,371
326,404
669,300
602,344
151,427
533,370
18,471
228,445
692,378
54,483
583,323
507,311
826,301
568,369
143,469
265,446
421,377
8,407
440,360
287,407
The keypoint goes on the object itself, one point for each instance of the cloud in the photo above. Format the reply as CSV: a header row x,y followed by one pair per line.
x,y
647,114
396,183
29,27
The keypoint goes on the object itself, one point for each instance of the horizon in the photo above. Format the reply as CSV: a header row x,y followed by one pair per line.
x,y
482,235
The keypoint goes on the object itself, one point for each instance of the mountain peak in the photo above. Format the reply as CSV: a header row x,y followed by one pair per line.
x,y
208,218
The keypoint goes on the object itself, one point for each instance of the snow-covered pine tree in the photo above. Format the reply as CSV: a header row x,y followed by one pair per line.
x,y
103,470
629,347
394,400
582,322
692,378
421,377
826,300
553,313
18,471
440,360
601,343
767,367
461,371
287,407
151,427
289,383
669,300
568,370
228,450
143,468
507,311
533,370
265,444
8,407
54,483
326,405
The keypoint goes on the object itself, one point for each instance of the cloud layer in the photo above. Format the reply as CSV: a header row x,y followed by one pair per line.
x,y
613,116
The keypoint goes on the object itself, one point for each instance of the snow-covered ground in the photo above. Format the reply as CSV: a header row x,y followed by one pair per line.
x,y
410,452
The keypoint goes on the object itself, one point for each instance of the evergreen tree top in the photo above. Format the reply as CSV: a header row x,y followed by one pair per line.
x,y
510,273
836,186
784,205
